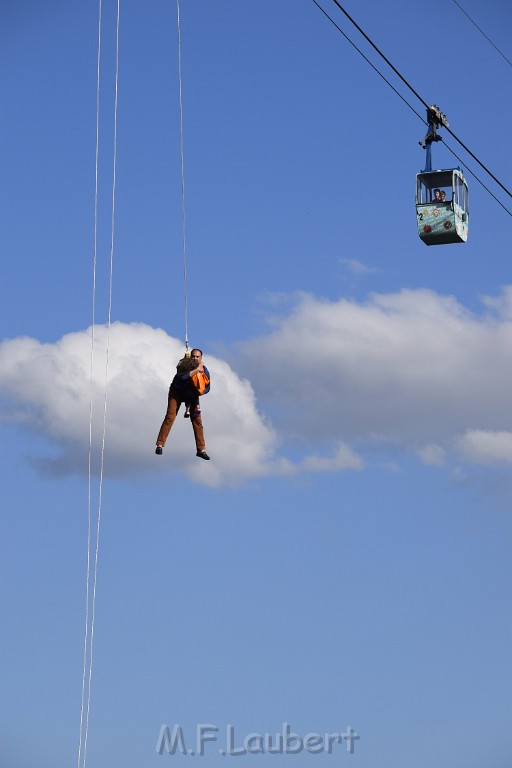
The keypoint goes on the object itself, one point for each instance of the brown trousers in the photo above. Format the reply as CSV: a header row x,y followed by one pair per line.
x,y
173,406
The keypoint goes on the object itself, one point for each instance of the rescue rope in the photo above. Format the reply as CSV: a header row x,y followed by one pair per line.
x,y
93,314
183,227
90,614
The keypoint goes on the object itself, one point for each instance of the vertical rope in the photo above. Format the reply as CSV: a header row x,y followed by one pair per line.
x,y
88,646
183,227
93,324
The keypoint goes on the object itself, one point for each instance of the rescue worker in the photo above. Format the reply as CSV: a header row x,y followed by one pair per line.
x,y
183,389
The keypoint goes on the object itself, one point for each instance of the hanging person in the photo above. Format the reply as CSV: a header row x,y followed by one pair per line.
x,y
185,388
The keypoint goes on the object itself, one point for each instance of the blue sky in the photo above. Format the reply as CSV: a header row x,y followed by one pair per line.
x,y
344,559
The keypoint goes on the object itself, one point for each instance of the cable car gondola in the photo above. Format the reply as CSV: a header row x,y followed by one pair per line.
x,y
442,210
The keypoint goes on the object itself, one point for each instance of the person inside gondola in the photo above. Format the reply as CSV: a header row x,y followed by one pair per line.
x,y
437,196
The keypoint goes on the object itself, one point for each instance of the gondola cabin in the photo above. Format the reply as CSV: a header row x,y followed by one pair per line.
x,y
442,209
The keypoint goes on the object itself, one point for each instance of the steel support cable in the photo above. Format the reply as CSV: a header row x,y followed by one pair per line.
x,y
182,153
482,32
347,38
395,70
408,104
88,646
476,178
498,182
93,325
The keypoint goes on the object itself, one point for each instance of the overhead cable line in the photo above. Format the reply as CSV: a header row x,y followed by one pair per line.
x,y
347,38
395,70
408,104
482,32
477,178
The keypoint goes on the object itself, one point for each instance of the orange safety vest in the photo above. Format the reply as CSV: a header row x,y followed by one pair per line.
x,y
200,380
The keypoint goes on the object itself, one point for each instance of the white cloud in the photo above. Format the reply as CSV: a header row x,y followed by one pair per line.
x,y
46,387
412,369
501,304
484,447
345,458
357,267
432,454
